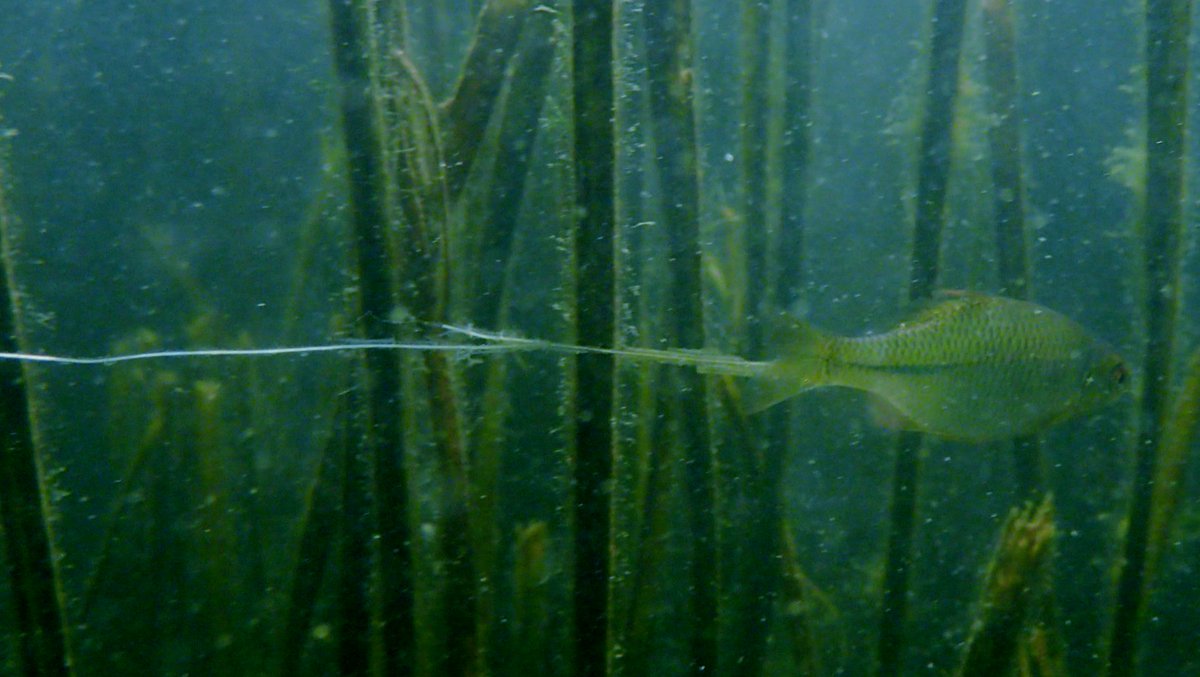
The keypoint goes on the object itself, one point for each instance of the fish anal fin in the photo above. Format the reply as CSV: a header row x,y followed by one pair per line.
x,y
954,293
885,414
763,393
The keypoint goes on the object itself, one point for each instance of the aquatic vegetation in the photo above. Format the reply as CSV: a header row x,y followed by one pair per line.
x,y
1017,581
471,337
33,564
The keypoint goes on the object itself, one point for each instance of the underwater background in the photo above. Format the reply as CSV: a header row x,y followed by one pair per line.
x,y
654,173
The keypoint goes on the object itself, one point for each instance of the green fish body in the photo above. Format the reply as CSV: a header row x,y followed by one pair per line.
x,y
970,367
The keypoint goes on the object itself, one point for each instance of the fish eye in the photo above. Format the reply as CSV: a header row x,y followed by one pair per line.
x,y
1120,374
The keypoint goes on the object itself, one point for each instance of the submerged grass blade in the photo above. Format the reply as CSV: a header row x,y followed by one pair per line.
x,y
668,31
932,180
368,177
593,310
1178,435
1008,201
1168,27
25,510
1017,576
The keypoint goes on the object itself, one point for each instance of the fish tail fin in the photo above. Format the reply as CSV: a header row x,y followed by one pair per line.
x,y
802,363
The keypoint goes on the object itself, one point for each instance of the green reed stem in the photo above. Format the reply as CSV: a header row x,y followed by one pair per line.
x,y
1016,575
355,526
673,118
522,108
797,149
933,176
215,543
1008,199
595,324
323,503
1178,436
363,137
424,197
40,636
1168,27
531,65
466,113
755,104
746,617
531,613
786,292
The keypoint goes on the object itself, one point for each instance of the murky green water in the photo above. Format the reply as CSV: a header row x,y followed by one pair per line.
x,y
189,176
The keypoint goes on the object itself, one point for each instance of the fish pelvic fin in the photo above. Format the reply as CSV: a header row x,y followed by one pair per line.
x,y
803,362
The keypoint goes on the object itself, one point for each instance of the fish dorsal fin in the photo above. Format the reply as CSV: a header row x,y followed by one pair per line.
x,y
789,336
944,303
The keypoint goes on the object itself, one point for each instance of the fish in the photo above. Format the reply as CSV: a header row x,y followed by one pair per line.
x,y
969,366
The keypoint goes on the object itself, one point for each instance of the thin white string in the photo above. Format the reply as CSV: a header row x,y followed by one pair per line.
x,y
349,346
705,362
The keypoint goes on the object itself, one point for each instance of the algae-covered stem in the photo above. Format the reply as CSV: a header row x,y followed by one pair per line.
x,y
363,135
29,547
1179,433
1008,198
673,117
749,613
595,323
1010,593
493,269
1168,27
786,293
933,173
1008,212
325,506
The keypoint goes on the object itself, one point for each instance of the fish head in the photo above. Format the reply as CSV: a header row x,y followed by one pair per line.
x,y
1106,377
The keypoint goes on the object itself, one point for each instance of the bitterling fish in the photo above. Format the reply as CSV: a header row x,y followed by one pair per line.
x,y
971,367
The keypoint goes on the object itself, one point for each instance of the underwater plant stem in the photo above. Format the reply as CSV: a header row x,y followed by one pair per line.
x,y
755,104
1015,576
521,109
1008,199
797,148
1004,143
673,117
1178,436
786,294
425,291
356,525
1168,27
496,231
531,616
748,614
933,170
29,551
902,527
361,125
465,114
932,179
319,520
595,324
493,270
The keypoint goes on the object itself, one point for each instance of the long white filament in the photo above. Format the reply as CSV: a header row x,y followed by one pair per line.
x,y
705,362
348,346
